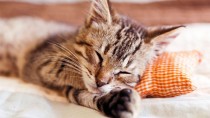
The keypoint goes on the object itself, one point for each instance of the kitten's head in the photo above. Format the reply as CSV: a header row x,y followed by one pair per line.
x,y
114,50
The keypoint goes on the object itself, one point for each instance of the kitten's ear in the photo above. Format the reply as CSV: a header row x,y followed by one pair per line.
x,y
161,33
101,12
161,36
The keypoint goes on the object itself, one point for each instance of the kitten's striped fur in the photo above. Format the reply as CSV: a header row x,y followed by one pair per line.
x,y
97,65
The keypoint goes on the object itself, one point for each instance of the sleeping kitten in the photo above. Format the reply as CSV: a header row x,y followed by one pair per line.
x,y
98,65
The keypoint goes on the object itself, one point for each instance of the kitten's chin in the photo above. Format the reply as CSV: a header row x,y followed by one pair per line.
x,y
107,88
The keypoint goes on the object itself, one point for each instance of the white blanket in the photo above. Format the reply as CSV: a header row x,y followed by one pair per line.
x,y
23,100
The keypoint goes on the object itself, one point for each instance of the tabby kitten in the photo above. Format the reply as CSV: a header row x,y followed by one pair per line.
x,y
98,65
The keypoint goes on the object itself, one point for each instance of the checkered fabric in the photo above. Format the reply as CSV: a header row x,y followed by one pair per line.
x,y
169,75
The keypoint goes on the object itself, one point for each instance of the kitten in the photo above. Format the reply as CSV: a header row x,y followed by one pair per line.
x,y
98,65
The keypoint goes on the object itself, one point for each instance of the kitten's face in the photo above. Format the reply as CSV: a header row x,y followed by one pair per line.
x,y
114,50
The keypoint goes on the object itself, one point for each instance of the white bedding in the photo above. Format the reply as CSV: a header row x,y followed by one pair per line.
x,y
23,100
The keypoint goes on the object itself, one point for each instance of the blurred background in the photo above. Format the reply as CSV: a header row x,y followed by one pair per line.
x,y
148,12
49,17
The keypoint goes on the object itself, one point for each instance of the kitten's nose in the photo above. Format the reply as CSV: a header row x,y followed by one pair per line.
x,y
100,83
102,77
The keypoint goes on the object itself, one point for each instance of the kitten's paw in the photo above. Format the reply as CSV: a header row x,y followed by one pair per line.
x,y
120,104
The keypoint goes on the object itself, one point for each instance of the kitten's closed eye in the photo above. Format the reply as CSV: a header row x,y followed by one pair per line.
x,y
123,72
128,78
100,58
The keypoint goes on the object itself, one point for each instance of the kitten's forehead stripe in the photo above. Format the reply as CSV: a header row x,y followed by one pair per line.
x,y
129,63
137,48
128,40
107,48
118,35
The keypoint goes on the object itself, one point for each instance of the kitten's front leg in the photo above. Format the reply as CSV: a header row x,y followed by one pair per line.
x,y
123,103
117,104
82,97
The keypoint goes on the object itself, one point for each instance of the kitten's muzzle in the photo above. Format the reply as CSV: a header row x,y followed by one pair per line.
x,y
103,81
103,78
100,84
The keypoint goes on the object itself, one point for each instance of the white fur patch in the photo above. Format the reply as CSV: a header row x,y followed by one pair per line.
x,y
125,62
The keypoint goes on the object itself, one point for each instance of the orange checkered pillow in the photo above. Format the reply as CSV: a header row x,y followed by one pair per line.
x,y
169,75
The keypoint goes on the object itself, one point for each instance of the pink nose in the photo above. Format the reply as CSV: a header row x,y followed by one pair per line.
x,y
101,82
102,78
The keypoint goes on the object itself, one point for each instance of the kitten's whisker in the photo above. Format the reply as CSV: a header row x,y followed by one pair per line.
x,y
66,64
64,59
64,48
74,65
68,75
66,56
68,51
71,62
79,67
71,66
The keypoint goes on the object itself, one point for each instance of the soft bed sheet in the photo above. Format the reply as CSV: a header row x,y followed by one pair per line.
x,y
24,100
